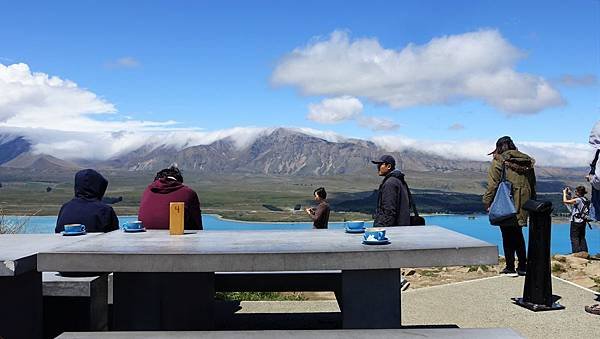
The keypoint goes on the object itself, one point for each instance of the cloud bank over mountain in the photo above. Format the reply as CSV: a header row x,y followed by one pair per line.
x,y
545,153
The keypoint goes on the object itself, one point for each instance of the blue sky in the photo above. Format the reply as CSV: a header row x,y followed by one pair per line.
x,y
218,65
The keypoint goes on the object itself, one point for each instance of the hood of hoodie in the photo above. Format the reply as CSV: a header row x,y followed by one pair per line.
x,y
517,161
164,186
395,173
90,184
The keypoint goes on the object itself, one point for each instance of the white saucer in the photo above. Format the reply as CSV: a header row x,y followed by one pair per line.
x,y
358,230
73,233
384,241
134,230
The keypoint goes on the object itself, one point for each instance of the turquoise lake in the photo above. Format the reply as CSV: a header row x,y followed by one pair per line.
x,y
478,227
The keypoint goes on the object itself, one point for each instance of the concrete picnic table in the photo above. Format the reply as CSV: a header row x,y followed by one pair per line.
x,y
21,283
167,282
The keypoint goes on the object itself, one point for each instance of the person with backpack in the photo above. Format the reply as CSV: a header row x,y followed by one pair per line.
x,y
393,206
518,169
580,209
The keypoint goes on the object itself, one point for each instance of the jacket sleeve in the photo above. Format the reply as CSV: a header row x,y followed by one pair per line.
x,y
595,181
389,205
60,224
195,219
320,213
494,174
532,185
313,216
113,223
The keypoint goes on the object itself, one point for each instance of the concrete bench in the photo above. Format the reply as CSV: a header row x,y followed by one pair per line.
x,y
420,333
74,303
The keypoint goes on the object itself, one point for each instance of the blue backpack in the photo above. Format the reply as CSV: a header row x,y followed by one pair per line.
x,y
503,206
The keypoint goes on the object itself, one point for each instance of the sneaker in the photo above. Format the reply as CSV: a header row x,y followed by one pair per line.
x,y
521,272
581,254
403,283
507,270
593,309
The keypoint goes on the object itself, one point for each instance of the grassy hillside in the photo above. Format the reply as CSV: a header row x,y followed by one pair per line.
x,y
261,198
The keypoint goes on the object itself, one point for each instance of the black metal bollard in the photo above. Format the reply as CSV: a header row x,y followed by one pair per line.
x,y
537,292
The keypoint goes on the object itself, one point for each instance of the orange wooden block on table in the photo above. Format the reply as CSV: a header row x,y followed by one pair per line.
x,y
176,220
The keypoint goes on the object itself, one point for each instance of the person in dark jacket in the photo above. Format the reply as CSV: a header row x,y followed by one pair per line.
x,y
320,215
87,207
520,173
168,187
393,207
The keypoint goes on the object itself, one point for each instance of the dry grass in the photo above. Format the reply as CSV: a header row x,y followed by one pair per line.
x,y
13,225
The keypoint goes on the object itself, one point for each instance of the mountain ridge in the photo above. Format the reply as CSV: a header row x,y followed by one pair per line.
x,y
283,151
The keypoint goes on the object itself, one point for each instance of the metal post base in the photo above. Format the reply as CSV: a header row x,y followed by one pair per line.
x,y
537,307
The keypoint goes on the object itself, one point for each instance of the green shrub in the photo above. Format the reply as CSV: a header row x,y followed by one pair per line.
x,y
558,268
258,296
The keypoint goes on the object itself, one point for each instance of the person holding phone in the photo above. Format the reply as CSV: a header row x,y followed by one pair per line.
x,y
320,215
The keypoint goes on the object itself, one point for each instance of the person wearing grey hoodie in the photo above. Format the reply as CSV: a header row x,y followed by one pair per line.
x,y
393,206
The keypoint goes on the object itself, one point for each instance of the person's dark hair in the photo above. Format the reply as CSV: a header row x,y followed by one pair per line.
x,y
580,191
504,144
172,172
321,193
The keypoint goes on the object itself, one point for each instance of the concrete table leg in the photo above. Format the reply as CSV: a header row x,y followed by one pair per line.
x,y
21,306
163,301
371,298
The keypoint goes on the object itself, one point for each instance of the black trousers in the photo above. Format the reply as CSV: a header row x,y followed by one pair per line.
x,y
513,241
578,243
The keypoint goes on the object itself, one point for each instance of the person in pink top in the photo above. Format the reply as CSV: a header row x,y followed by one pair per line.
x,y
168,187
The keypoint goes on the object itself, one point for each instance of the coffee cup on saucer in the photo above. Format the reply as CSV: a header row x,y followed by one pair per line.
x,y
74,228
133,226
355,225
374,234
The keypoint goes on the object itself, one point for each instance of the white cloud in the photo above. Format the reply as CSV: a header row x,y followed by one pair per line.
x,y
103,145
326,135
335,110
124,62
577,80
456,127
39,100
476,65
378,124
545,153
345,108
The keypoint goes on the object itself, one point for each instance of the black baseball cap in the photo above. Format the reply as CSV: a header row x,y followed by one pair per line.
x,y
385,159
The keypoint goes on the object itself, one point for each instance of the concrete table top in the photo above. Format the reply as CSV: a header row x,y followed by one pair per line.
x,y
280,250
17,251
